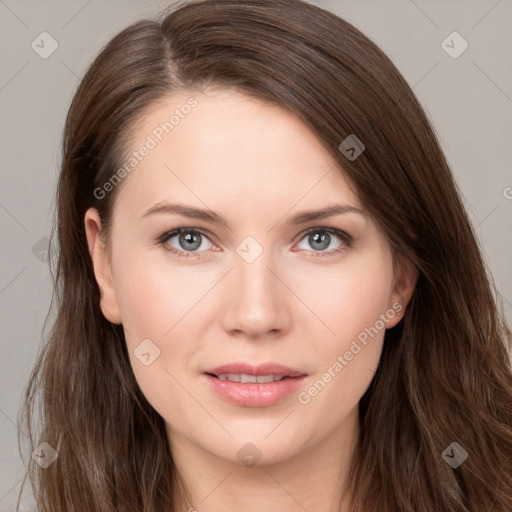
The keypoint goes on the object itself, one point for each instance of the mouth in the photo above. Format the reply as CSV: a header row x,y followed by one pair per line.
x,y
245,378
253,386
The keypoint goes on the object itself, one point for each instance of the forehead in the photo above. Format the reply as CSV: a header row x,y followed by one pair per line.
x,y
221,144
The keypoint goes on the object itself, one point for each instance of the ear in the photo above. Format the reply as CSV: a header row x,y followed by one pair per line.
x,y
406,276
102,270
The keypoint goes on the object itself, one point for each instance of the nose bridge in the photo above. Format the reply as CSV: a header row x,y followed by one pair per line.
x,y
254,276
255,296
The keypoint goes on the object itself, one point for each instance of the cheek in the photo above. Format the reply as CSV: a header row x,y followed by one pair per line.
x,y
157,301
350,301
154,294
166,303
347,298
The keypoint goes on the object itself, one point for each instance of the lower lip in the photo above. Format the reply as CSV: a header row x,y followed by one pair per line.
x,y
254,394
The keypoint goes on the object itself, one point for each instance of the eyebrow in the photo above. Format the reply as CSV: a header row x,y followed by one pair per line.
x,y
214,218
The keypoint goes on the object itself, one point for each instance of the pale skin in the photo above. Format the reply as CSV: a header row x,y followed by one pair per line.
x,y
256,165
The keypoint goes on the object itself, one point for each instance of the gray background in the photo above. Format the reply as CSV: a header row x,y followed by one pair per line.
x,y
468,99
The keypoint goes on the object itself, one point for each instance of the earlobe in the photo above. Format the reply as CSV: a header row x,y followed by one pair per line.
x,y
406,277
101,264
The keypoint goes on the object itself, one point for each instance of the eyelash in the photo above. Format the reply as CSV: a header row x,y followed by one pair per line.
x,y
165,237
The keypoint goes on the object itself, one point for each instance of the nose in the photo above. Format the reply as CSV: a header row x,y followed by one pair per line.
x,y
257,301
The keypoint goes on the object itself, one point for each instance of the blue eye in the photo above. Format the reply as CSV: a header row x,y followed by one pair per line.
x,y
191,241
320,239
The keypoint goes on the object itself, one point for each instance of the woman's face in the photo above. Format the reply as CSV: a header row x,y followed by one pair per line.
x,y
255,289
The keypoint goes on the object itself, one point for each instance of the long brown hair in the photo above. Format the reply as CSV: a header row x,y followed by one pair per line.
x,y
445,372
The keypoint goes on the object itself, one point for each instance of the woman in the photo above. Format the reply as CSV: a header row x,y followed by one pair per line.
x,y
329,341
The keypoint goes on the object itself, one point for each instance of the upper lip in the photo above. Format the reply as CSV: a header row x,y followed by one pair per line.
x,y
261,369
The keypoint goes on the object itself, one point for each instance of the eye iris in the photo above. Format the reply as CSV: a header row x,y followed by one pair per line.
x,y
189,237
323,237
